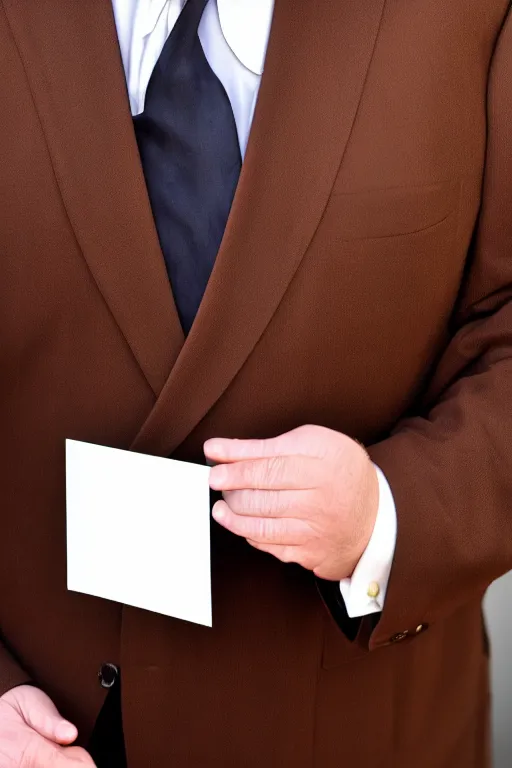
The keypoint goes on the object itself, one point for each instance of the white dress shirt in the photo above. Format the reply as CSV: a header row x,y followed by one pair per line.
x,y
234,36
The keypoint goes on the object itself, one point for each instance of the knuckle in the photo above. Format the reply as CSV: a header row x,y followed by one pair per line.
x,y
308,562
269,503
38,721
274,470
262,529
249,502
288,555
245,474
265,529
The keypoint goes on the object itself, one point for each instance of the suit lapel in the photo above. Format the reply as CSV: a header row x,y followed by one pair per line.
x,y
74,67
318,57
317,61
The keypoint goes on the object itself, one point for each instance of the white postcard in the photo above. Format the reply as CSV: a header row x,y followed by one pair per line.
x,y
138,530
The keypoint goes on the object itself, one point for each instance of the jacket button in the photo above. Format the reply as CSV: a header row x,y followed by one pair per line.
x,y
107,675
399,636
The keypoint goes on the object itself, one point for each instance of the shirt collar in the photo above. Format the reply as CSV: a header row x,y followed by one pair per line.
x,y
152,10
245,25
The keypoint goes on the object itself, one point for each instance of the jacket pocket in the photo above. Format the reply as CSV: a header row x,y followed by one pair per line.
x,y
396,211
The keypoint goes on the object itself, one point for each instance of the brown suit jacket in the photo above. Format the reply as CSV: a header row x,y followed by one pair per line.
x,y
363,283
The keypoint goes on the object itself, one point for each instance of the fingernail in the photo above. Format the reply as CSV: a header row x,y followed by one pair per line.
x,y
66,731
218,513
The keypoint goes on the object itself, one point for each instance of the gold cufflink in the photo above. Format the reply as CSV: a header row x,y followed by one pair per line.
x,y
373,589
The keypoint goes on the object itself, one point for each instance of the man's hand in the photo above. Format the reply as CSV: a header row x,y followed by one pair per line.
x,y
309,496
34,735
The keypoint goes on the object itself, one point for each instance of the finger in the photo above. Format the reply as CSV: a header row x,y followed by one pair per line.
x,y
77,756
41,714
286,553
299,441
257,503
279,473
45,754
265,530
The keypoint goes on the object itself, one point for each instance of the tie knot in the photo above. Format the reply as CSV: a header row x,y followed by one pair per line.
x,y
188,23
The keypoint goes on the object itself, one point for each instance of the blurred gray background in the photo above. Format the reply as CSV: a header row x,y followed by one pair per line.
x,y
498,606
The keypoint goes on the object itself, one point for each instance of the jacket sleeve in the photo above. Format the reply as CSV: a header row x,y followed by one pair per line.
x,y
11,674
450,464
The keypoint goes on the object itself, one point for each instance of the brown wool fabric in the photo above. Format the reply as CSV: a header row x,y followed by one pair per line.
x,y
363,283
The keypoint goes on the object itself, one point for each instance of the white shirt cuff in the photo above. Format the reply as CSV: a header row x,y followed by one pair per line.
x,y
365,591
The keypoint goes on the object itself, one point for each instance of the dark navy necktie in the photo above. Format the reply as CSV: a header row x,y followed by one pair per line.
x,y
190,154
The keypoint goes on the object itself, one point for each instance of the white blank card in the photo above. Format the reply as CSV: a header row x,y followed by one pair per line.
x,y
138,530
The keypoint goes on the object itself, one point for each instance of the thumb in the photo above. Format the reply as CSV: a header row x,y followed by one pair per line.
x,y
307,441
41,714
